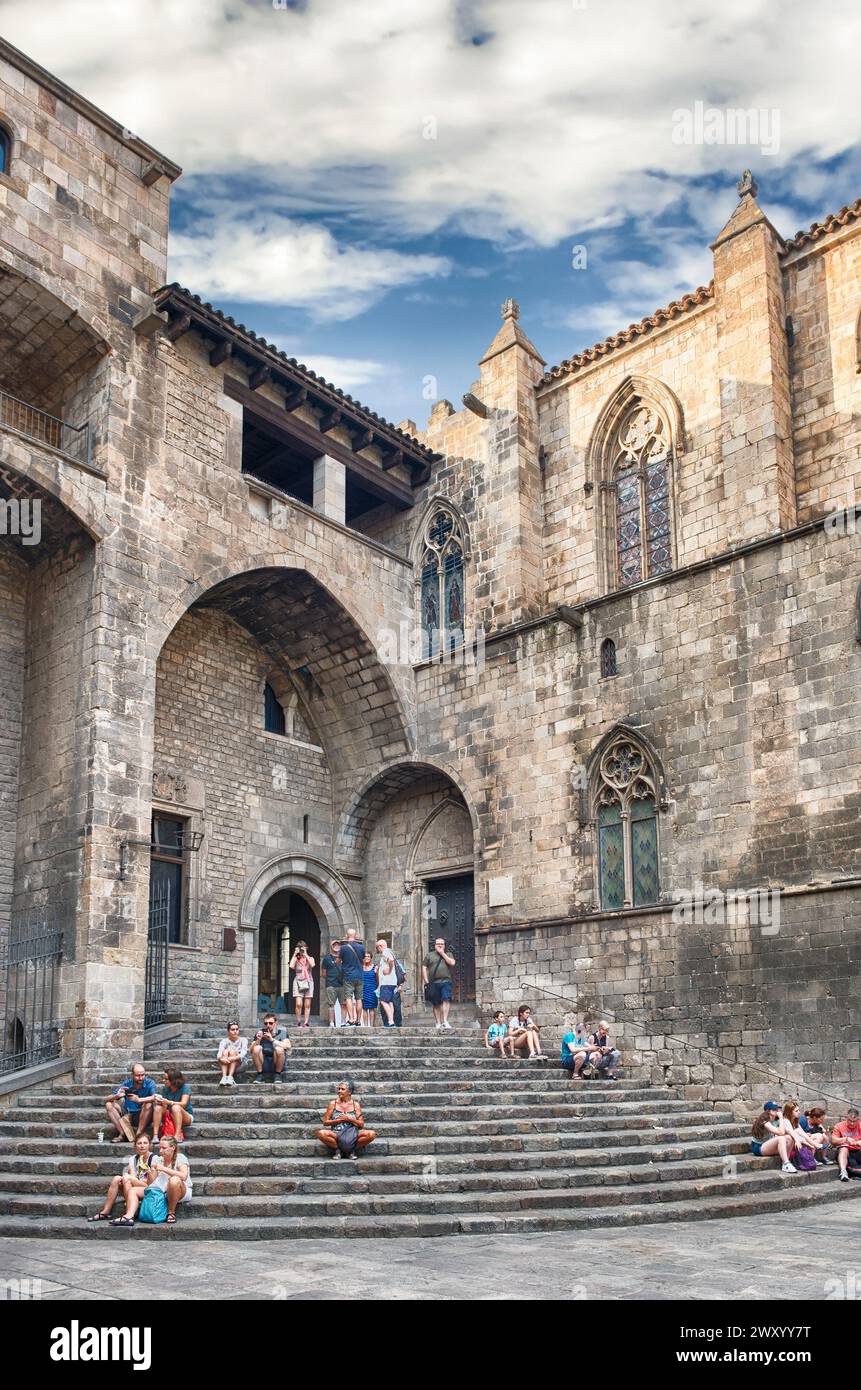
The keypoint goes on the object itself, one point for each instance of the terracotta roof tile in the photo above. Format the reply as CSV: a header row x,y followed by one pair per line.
x,y
832,223
631,333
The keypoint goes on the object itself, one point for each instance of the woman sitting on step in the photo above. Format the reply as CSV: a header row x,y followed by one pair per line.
x,y
171,1172
344,1129
135,1174
175,1100
524,1035
770,1137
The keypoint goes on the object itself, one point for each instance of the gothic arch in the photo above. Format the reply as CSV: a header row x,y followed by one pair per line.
x,y
414,862
440,552
664,440
625,794
360,814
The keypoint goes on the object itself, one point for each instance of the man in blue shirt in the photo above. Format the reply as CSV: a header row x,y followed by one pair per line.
x,y
129,1107
352,958
575,1051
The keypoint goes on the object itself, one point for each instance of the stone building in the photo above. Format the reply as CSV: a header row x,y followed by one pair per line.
x,y
272,666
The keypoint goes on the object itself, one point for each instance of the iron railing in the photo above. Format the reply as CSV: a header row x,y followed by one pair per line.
x,y
155,1000
75,441
30,967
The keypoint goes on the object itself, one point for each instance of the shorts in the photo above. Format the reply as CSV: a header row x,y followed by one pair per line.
x,y
756,1147
853,1156
440,992
387,994
302,993
336,994
353,989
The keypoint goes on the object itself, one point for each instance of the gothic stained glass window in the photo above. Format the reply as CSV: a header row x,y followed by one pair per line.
x,y
608,657
626,803
641,492
430,607
442,596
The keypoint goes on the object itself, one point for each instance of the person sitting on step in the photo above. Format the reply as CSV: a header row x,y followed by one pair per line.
x,y
496,1034
171,1173
135,1174
609,1057
174,1100
811,1123
344,1130
846,1140
524,1035
129,1107
804,1153
232,1052
576,1051
269,1048
770,1137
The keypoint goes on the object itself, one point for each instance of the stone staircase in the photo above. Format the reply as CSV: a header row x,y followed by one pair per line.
x,y
468,1144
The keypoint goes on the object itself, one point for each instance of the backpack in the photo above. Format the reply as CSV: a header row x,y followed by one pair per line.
x,y
804,1160
153,1207
400,973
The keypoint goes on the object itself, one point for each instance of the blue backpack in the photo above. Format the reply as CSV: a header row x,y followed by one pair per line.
x,y
153,1207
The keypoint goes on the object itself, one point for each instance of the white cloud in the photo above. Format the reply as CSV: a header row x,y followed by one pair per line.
x,y
560,122
271,259
349,373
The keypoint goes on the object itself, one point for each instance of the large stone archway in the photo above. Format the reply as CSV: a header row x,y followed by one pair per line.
x,y
314,880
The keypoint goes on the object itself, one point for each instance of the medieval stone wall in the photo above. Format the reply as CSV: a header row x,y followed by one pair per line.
x,y
248,791
13,638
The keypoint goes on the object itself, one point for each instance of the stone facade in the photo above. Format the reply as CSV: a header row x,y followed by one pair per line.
x,y
169,586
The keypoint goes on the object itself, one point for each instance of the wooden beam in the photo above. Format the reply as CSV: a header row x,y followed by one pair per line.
x,y
259,376
392,457
178,328
294,399
361,438
295,433
221,352
328,420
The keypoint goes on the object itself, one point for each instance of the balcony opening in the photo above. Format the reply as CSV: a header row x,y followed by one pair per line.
x,y
288,465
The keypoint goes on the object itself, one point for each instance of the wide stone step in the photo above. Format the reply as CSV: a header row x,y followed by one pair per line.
x,y
265,1093
746,1196
283,1128
332,1182
433,1144
377,1168
298,1110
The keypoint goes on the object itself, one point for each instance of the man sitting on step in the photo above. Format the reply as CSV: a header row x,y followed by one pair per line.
x,y
610,1057
269,1049
129,1107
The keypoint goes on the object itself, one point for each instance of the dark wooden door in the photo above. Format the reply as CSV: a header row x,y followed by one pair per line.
x,y
454,919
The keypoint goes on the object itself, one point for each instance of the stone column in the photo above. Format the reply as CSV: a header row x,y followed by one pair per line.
x,y
330,488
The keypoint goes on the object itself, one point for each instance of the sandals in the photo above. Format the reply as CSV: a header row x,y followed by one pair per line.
x,y
124,1221
171,1220
100,1216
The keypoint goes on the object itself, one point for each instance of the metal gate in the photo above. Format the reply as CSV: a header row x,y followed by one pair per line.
x,y
29,963
155,1002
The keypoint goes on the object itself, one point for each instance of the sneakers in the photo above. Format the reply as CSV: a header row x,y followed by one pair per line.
x,y
446,1024
258,1077
844,1177
788,1168
278,1075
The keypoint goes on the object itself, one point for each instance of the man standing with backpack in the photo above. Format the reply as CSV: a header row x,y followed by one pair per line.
x,y
391,977
352,959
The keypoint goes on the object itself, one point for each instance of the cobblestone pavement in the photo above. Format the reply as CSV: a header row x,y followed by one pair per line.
x,y
714,1260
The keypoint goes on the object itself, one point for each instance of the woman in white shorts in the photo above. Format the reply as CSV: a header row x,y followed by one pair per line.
x,y
303,983
172,1174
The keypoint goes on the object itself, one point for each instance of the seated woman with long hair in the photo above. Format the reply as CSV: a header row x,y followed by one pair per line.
x,y
770,1137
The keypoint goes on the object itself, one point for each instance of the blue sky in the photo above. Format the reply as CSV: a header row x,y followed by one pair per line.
x,y
366,183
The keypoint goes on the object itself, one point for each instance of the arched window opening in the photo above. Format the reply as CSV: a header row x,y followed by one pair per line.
x,y
608,657
626,801
442,600
274,720
640,486
5,150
